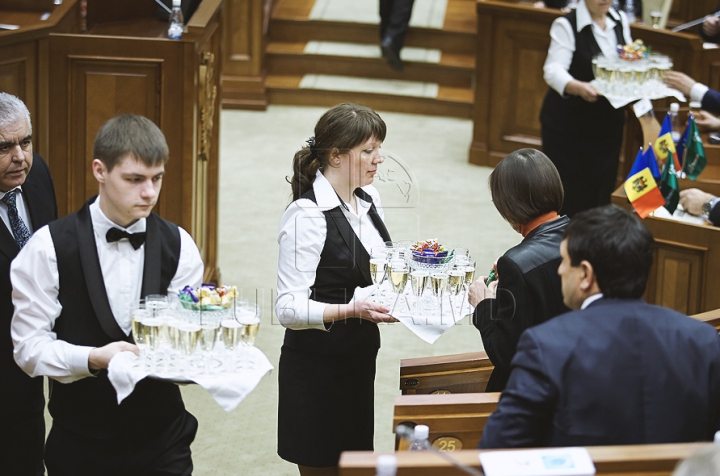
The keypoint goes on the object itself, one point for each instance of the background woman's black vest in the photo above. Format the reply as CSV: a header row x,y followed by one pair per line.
x,y
89,406
344,265
572,114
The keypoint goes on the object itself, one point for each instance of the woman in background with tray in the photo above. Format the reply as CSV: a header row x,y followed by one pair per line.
x,y
527,192
581,132
327,363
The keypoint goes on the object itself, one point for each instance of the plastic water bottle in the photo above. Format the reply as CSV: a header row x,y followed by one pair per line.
x,y
420,438
630,10
175,30
675,122
386,465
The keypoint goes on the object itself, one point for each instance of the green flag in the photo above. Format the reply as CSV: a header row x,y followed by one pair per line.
x,y
694,161
669,185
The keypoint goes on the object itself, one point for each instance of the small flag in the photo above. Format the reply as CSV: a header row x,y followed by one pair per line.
x,y
664,143
669,186
643,160
682,143
643,193
694,160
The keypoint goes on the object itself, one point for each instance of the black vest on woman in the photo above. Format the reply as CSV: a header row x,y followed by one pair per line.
x,y
89,406
344,265
572,114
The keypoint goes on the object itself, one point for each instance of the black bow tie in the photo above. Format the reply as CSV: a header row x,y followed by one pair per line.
x,y
135,239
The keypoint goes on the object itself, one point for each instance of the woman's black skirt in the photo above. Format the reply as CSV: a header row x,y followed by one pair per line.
x,y
326,405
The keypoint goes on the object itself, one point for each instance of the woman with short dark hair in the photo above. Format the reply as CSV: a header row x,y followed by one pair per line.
x,y
527,191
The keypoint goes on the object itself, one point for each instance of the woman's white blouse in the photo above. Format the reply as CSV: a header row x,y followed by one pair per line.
x,y
302,237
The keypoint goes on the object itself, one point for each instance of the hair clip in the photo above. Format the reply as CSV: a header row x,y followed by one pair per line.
x,y
311,142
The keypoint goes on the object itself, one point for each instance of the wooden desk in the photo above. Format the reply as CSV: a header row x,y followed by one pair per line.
x,y
685,268
456,421
647,460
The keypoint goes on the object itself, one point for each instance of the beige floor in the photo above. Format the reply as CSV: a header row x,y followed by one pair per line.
x,y
453,205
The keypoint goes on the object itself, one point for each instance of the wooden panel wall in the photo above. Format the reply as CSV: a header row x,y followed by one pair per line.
x,y
243,50
683,11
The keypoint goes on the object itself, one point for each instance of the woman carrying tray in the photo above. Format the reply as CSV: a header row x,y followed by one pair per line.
x,y
581,132
327,363
527,191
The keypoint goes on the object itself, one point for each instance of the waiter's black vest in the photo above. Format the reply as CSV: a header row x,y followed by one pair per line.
x,y
572,114
89,406
344,265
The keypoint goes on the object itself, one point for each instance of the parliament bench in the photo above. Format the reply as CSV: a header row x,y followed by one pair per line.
x,y
643,460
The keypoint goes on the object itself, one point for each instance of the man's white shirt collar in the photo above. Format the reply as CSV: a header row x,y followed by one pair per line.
x,y
584,19
18,188
591,299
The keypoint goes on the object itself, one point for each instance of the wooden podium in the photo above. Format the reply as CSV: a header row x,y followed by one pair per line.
x,y
124,63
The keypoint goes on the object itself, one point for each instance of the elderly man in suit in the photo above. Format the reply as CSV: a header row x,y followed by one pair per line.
x,y
27,202
616,370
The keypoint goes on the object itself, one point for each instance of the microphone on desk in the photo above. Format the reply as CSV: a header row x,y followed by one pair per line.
x,y
407,432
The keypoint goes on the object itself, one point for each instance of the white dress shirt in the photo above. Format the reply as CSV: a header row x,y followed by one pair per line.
x,y
697,92
303,230
36,285
21,207
591,299
562,44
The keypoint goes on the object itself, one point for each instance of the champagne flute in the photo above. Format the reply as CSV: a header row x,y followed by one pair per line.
x,y
398,271
155,303
209,333
378,266
249,331
418,282
151,335
138,332
438,283
231,331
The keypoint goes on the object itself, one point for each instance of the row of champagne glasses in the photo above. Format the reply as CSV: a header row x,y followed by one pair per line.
x,y
393,262
169,337
618,77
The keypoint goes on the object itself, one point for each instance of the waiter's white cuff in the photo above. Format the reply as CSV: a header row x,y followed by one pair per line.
x,y
78,360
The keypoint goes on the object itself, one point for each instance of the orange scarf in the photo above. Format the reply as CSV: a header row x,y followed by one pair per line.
x,y
536,222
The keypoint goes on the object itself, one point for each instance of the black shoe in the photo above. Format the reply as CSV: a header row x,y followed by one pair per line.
x,y
391,54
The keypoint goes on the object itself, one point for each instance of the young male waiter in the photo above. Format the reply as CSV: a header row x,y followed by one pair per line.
x,y
73,287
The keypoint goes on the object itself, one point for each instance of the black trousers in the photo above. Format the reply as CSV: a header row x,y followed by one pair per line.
x,y
168,454
394,20
21,447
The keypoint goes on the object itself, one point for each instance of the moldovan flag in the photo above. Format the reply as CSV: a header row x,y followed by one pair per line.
x,y
642,191
664,143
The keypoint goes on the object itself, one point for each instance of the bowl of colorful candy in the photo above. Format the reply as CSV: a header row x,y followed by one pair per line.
x,y
208,297
429,253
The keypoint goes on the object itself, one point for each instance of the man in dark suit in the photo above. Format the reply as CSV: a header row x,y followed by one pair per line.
x,y
26,194
616,370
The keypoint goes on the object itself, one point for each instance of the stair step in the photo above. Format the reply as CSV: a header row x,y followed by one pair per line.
x,y
449,101
290,59
287,30
459,14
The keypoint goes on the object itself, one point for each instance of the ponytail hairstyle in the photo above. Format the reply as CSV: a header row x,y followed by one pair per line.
x,y
340,129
